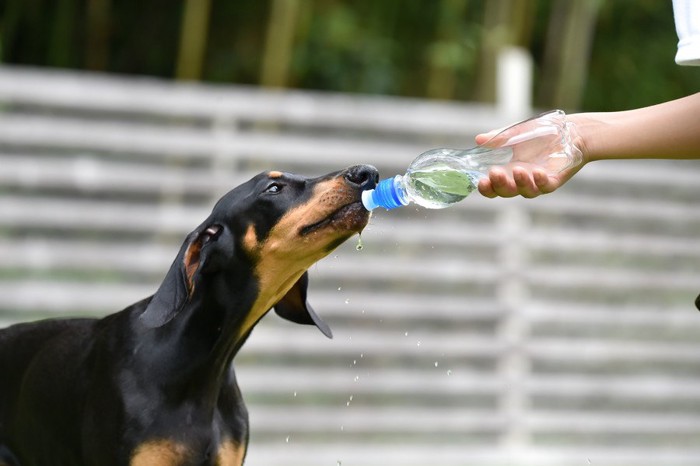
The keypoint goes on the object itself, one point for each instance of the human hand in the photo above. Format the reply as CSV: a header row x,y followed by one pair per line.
x,y
522,181
545,156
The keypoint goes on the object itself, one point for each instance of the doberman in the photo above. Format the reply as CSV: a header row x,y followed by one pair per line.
x,y
153,385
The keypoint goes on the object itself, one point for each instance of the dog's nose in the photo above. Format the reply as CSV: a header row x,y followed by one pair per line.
x,y
362,176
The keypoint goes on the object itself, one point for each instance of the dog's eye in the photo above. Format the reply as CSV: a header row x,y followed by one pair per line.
x,y
274,188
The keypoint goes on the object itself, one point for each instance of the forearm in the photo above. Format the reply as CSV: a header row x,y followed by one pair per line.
x,y
668,130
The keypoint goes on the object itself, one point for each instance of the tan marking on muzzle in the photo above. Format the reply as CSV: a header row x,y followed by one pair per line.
x,y
285,254
250,241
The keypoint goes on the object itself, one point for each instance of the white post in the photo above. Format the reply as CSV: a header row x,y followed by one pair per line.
x,y
514,330
514,83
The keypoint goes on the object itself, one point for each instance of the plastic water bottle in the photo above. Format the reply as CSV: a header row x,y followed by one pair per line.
x,y
441,177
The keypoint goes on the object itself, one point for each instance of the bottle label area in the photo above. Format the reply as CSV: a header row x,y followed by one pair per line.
x,y
440,186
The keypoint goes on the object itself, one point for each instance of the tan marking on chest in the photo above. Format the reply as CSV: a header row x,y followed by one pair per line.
x,y
230,454
160,453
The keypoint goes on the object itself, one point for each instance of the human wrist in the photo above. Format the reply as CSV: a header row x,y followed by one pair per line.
x,y
598,137
586,130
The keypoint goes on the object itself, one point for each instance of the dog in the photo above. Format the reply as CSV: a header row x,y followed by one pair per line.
x,y
153,385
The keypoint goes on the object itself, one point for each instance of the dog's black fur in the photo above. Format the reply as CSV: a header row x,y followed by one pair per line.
x,y
153,385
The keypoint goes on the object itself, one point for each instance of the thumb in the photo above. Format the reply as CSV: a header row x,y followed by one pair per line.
x,y
485,137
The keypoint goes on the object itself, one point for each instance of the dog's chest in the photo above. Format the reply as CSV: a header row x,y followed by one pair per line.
x,y
174,453
188,437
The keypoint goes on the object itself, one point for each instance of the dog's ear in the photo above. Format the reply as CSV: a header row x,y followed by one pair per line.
x,y
179,284
193,259
294,307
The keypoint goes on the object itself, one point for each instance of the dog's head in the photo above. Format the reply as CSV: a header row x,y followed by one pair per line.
x,y
253,251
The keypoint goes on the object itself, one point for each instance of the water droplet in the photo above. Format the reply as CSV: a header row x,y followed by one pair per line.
x,y
436,364
354,362
342,428
295,394
405,334
362,355
449,372
287,439
359,243
339,463
418,343
347,301
357,377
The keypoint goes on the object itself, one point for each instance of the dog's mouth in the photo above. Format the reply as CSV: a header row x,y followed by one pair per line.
x,y
351,217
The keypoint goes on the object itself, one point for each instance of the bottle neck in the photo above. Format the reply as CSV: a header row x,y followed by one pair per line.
x,y
388,194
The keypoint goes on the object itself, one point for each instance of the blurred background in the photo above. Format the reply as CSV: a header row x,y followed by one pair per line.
x,y
589,54
556,331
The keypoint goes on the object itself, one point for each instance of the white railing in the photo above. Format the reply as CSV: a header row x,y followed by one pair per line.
x,y
498,332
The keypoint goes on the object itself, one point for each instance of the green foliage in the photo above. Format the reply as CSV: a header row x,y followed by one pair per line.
x,y
633,58
236,39
341,52
395,47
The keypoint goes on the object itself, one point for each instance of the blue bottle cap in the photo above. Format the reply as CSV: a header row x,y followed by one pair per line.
x,y
386,195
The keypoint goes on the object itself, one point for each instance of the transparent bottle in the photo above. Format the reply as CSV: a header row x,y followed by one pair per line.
x,y
441,177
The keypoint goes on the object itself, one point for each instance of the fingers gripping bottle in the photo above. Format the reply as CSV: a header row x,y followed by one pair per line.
x,y
439,178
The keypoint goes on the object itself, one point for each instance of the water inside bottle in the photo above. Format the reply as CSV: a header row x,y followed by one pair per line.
x,y
440,185
441,177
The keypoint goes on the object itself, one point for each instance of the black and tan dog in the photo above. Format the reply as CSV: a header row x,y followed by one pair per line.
x,y
153,384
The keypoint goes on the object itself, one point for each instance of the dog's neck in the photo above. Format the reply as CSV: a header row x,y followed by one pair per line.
x,y
195,349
